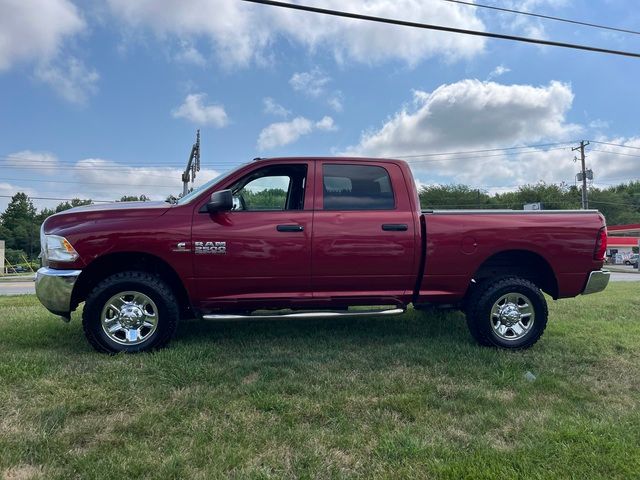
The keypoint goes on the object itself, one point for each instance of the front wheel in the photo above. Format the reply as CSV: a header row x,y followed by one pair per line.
x,y
508,313
130,312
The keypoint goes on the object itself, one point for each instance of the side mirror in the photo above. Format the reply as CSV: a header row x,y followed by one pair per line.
x,y
221,201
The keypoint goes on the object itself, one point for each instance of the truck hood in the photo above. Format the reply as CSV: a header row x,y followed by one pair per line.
x,y
119,206
105,212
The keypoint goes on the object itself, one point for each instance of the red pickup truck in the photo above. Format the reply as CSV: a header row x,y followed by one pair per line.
x,y
312,237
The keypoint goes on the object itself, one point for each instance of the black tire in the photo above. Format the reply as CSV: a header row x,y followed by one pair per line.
x,y
152,286
481,322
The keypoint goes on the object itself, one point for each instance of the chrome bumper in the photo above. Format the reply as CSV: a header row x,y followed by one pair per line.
x,y
598,281
54,288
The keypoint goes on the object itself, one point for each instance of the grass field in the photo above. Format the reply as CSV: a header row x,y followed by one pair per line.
x,y
402,397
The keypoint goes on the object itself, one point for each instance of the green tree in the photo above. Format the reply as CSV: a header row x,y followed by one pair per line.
x,y
552,196
20,225
453,197
61,207
133,198
267,199
76,202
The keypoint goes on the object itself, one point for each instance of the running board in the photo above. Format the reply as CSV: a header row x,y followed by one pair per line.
x,y
310,315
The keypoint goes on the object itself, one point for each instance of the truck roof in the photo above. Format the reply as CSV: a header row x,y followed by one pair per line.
x,y
313,158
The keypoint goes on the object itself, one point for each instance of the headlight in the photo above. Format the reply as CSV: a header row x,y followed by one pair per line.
x,y
58,249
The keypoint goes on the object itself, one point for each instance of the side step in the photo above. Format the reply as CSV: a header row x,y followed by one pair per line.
x,y
310,315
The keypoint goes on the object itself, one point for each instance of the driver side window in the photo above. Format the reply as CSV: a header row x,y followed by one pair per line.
x,y
276,187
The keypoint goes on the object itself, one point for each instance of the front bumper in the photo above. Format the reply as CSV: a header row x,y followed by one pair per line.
x,y
598,281
54,289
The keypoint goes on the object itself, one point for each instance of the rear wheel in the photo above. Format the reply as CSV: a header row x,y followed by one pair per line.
x,y
130,312
508,313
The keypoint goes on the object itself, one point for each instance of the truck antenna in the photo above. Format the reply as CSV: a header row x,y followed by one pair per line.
x,y
193,165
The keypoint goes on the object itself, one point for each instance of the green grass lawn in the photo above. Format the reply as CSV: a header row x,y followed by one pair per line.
x,y
400,397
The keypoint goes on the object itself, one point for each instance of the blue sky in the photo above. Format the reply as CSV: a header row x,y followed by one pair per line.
x,y
101,98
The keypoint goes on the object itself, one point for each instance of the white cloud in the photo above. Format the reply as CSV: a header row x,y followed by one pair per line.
x,y
326,124
283,133
498,72
194,109
71,79
612,164
236,33
335,102
471,113
312,83
527,25
271,107
241,33
8,190
599,124
474,115
94,178
35,30
190,55
43,162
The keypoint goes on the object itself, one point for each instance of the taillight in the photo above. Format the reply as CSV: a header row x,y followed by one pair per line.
x,y
601,245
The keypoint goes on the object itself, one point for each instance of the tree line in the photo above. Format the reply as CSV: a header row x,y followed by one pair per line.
x,y
620,204
20,222
20,226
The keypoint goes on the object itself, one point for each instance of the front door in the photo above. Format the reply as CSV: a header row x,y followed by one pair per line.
x,y
260,250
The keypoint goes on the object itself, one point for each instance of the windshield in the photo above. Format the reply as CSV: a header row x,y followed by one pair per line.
x,y
197,191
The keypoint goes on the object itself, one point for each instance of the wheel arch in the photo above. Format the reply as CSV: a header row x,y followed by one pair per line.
x,y
523,263
112,263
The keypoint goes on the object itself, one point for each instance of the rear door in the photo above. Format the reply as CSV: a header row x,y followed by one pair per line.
x,y
260,250
364,240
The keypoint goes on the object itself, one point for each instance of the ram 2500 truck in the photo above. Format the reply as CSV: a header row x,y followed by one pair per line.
x,y
312,237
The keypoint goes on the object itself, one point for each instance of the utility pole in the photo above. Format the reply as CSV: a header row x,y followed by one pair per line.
x,y
585,200
193,165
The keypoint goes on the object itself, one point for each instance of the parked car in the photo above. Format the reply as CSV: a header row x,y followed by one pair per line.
x,y
16,269
317,236
632,260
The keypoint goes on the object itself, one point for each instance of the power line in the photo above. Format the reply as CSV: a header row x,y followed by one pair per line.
x,y
60,199
636,179
615,203
90,183
481,157
485,150
33,162
546,17
172,165
615,153
616,145
441,28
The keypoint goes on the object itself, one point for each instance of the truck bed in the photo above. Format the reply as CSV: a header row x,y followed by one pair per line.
x,y
462,245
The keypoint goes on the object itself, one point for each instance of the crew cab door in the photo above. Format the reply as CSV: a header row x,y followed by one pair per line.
x,y
364,238
260,250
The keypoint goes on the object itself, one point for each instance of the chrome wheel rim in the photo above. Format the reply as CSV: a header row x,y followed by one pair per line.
x,y
129,318
512,316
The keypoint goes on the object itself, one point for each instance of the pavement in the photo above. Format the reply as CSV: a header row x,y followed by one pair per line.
x,y
625,277
17,288
23,287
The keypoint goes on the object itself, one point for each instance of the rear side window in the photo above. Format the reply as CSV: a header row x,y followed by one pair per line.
x,y
356,187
